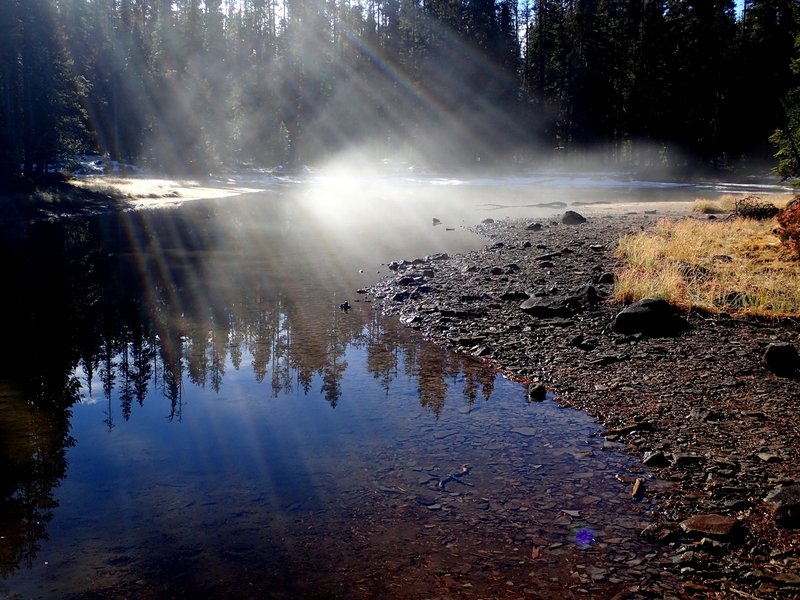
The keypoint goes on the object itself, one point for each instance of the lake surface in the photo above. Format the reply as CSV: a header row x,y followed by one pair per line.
x,y
185,411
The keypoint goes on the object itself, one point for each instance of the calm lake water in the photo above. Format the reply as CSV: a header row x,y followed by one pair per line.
x,y
186,412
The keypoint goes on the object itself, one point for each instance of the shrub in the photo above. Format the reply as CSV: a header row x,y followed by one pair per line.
x,y
789,226
753,207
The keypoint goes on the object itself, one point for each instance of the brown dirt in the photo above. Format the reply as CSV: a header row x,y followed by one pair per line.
x,y
727,427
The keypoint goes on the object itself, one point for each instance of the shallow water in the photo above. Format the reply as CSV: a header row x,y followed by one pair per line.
x,y
248,489
184,410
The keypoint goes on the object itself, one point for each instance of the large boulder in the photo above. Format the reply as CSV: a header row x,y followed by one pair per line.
x,y
651,316
573,218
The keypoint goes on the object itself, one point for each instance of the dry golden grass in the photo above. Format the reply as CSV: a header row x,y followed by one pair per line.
x,y
727,203
736,266
724,204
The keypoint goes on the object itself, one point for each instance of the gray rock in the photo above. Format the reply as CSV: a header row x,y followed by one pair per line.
x,y
586,294
396,265
651,316
782,358
407,281
534,227
784,502
542,309
514,295
573,218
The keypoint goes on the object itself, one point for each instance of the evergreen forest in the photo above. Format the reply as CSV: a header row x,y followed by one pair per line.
x,y
192,85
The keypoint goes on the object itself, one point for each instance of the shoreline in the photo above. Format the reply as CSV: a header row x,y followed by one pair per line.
x,y
150,192
700,407
90,196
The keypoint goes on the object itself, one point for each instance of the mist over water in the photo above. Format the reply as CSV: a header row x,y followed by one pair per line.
x,y
363,189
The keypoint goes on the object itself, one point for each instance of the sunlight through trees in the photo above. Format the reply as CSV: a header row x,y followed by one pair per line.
x,y
191,85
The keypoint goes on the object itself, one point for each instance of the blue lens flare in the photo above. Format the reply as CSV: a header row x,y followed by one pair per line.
x,y
584,538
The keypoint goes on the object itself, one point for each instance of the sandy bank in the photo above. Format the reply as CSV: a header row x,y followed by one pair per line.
x,y
153,192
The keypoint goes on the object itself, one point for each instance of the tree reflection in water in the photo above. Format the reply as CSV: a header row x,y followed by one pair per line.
x,y
143,302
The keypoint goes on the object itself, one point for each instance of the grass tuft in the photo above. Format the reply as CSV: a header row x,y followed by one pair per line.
x,y
724,204
737,266
727,203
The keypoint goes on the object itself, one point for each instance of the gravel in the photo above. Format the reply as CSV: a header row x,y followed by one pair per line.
x,y
697,402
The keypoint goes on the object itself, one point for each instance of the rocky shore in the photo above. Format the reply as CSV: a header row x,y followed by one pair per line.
x,y
696,399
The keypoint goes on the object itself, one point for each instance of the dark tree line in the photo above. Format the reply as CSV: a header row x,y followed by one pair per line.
x,y
191,84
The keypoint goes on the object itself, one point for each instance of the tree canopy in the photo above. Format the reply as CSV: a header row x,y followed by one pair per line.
x,y
188,85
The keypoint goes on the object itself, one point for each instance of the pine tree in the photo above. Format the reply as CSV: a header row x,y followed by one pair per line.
x,y
51,113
